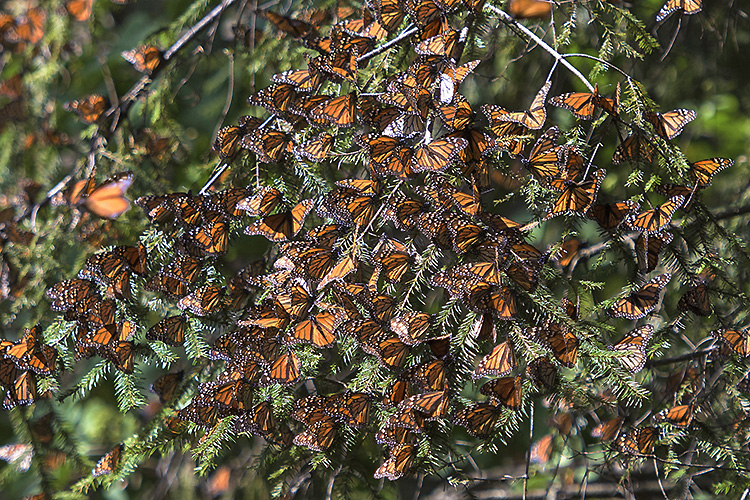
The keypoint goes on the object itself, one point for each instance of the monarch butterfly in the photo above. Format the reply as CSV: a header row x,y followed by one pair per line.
x,y
607,431
465,234
80,9
389,13
89,109
679,416
401,210
511,137
484,328
228,139
350,408
134,256
688,7
575,198
269,145
341,270
318,330
348,206
211,239
542,373
487,298
32,353
145,58
642,301
204,415
166,386
505,391
584,104
285,370
412,327
457,115
395,435
261,203
166,284
670,124
282,226
696,300
541,451
441,45
295,299
288,25
122,355
111,270
107,331
399,461
479,419
562,342
639,441
391,259
109,462
437,155
389,350
21,389
737,340
529,9
317,148
340,110
704,170
648,249
227,202
312,262
450,78
304,80
432,404
320,429
107,200
345,39
76,295
500,361
533,118
654,220
170,330
633,348
203,301
340,64
544,159
429,375
633,148
610,216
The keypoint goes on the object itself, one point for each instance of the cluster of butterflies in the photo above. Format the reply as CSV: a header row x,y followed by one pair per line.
x,y
328,293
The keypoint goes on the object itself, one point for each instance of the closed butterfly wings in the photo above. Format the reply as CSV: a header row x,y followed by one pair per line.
x,y
633,348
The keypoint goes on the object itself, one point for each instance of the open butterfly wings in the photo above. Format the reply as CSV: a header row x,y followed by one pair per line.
x,y
688,7
642,301
534,117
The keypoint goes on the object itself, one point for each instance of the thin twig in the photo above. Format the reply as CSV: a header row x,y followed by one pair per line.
x,y
506,18
684,357
409,31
